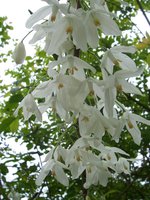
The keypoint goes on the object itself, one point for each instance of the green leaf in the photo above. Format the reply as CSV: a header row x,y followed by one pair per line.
x,y
3,169
5,124
148,60
14,125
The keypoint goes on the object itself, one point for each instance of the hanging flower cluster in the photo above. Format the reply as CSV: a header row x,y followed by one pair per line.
x,y
69,30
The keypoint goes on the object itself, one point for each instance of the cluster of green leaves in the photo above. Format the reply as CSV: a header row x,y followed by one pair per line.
x,y
36,139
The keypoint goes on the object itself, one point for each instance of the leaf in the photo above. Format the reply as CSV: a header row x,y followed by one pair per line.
x,y
148,59
14,125
3,169
5,124
16,98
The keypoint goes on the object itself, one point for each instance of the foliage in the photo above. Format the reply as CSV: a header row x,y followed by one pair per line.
x,y
38,138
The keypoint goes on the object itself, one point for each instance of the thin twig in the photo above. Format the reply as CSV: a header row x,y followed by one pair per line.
x,y
142,10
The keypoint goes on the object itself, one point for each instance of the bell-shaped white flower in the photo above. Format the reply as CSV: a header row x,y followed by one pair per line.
x,y
99,19
69,25
122,166
96,175
92,122
113,83
73,65
19,53
29,108
71,92
74,161
56,169
53,8
132,127
116,56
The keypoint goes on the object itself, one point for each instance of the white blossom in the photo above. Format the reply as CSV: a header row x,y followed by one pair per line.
x,y
69,25
29,108
73,65
116,56
132,127
99,19
19,53
56,169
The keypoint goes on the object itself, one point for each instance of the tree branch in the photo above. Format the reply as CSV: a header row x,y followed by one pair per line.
x,y
142,10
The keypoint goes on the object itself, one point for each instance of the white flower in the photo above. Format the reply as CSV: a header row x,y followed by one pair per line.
x,y
56,169
44,89
96,175
99,19
114,56
131,125
29,108
41,31
19,53
73,65
113,83
41,13
74,161
92,122
69,25
122,166
70,93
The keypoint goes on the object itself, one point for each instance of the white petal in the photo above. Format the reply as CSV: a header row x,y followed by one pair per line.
x,y
128,74
79,34
44,172
38,15
61,176
43,89
108,26
110,96
125,62
58,37
40,34
81,63
140,119
125,49
91,32
135,133
129,88
76,169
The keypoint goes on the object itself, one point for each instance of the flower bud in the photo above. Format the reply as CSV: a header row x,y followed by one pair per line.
x,y
19,53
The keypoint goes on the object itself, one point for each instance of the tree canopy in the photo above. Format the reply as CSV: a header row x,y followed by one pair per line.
x,y
38,138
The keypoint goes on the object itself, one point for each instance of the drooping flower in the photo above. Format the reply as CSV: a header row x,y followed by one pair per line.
x,y
95,176
29,108
19,53
123,166
131,125
113,84
116,56
56,169
53,8
92,122
99,19
41,31
73,65
67,26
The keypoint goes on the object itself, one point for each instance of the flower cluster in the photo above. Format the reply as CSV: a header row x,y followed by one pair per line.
x,y
69,30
